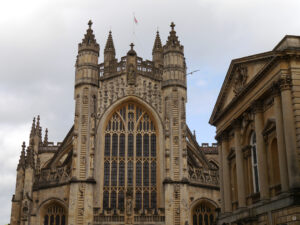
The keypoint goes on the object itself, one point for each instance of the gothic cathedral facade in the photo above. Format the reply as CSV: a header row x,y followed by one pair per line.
x,y
130,157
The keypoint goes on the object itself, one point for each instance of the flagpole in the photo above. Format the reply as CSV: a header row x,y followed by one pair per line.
x,y
133,27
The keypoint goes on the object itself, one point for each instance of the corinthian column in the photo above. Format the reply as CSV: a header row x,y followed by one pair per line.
x,y
261,151
239,164
289,132
226,175
280,140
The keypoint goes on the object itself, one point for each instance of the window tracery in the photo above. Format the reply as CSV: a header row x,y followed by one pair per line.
x,y
55,215
204,214
130,145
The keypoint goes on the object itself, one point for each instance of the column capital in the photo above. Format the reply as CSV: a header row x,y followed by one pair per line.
x,y
237,123
285,82
275,89
223,136
257,106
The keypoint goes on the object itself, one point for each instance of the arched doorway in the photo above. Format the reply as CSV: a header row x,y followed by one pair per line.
x,y
54,214
204,213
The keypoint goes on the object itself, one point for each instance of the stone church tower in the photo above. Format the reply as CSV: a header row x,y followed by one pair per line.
x,y
129,158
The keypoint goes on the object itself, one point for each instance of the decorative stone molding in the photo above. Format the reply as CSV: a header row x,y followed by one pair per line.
x,y
285,82
240,78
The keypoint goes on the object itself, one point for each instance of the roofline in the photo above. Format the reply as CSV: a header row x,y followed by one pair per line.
x,y
285,37
234,62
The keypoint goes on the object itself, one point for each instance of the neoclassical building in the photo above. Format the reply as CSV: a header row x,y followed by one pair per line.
x,y
257,116
130,157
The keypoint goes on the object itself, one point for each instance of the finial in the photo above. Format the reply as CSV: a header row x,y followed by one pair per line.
x,y
131,46
38,121
46,137
32,132
23,146
90,23
172,25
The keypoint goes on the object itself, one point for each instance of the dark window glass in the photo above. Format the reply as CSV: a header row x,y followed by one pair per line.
x,y
146,145
121,200
130,145
130,173
113,200
52,220
195,220
256,179
115,145
153,200
122,145
146,200
105,199
211,219
206,219
114,174
138,174
107,145
254,154
146,173
63,220
153,173
46,220
121,173
200,219
57,220
138,145
106,174
138,200
153,145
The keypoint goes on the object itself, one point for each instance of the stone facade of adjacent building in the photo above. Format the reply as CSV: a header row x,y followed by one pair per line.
x,y
257,116
130,157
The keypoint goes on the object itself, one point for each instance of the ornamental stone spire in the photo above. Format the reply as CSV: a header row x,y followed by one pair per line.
x,y
109,47
89,42
29,159
172,39
157,51
32,132
46,137
157,44
22,157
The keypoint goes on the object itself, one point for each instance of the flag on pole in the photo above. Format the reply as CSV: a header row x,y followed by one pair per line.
x,y
135,20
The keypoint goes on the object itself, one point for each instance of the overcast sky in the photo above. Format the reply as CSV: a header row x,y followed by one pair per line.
x,y
38,47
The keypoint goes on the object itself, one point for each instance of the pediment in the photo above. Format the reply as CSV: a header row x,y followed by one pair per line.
x,y
240,75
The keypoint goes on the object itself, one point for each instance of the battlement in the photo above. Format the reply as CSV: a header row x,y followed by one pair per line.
x,y
209,149
144,68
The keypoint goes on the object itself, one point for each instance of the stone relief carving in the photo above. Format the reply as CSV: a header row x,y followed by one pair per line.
x,y
240,79
203,176
145,88
53,176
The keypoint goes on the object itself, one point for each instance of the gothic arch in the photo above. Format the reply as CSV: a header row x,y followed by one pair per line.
x,y
54,210
99,154
203,209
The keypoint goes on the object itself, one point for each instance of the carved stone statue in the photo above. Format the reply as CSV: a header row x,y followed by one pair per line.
x,y
131,75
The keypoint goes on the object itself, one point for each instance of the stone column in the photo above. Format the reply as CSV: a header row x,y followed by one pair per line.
x,y
239,164
261,151
221,174
280,141
226,175
289,132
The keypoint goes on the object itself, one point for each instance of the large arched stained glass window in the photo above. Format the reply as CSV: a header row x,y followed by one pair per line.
x,y
130,151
